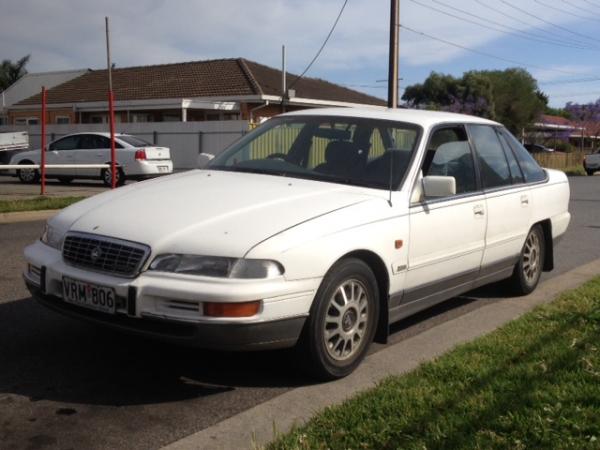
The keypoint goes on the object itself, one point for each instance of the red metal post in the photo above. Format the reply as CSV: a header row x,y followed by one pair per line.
x,y
111,115
43,156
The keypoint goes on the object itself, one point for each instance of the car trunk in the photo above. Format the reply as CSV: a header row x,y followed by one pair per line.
x,y
157,153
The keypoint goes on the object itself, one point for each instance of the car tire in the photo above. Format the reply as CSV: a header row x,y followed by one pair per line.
x,y
590,172
342,321
65,180
28,176
528,270
105,174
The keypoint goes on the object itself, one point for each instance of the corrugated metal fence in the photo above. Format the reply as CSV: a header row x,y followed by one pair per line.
x,y
185,139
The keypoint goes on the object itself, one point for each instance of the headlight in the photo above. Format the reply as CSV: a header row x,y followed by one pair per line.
x,y
217,266
51,237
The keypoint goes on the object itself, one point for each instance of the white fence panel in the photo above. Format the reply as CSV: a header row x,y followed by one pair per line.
x,y
185,139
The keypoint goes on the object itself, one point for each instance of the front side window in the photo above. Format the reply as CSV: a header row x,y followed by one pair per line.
x,y
449,154
349,150
531,169
492,160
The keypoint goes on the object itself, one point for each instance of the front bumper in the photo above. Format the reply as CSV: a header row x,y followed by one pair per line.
x,y
150,304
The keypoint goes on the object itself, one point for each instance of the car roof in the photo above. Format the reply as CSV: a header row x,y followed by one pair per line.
x,y
420,117
98,133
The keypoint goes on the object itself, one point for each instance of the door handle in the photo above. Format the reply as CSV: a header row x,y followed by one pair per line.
x,y
478,210
524,200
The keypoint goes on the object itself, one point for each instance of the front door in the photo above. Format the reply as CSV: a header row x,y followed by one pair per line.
x,y
62,152
447,235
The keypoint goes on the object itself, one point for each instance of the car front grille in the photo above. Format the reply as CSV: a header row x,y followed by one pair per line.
x,y
104,254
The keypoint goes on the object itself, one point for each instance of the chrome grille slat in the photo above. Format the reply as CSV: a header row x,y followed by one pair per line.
x,y
116,256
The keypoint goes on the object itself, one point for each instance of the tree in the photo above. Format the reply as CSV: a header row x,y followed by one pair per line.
x,y
587,116
12,71
510,96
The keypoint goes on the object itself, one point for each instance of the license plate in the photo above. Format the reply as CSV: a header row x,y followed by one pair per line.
x,y
88,295
163,169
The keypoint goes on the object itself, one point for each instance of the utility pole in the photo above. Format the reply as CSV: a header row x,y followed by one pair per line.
x,y
111,112
393,62
283,80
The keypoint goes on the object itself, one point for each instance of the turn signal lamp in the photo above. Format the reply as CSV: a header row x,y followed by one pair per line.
x,y
244,309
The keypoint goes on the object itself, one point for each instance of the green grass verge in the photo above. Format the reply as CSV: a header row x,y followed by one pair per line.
x,y
534,383
37,203
575,171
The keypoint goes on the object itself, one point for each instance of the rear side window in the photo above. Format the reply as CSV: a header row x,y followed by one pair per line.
x,y
513,165
134,141
531,169
492,160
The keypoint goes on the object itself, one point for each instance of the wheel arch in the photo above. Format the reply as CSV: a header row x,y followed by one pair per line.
x,y
376,264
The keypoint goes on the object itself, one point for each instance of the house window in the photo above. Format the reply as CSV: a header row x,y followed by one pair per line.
x,y
141,117
213,116
231,116
61,120
27,121
97,119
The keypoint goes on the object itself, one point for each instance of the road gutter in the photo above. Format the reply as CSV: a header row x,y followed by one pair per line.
x,y
255,426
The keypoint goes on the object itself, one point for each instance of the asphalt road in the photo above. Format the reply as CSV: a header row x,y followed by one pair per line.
x,y
66,384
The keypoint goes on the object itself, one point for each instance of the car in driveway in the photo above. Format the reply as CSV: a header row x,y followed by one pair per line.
x,y
317,230
591,163
136,159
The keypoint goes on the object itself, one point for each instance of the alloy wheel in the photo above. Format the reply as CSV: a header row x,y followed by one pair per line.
x,y
346,320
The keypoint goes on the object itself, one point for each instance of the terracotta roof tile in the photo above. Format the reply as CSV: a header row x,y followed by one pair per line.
x,y
212,78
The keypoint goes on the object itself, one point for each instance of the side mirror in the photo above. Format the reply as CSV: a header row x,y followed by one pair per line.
x,y
203,160
438,186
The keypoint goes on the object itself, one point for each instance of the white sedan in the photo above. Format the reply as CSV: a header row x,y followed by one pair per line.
x,y
317,230
136,159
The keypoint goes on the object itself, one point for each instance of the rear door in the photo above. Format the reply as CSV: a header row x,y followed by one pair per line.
x,y
94,149
507,198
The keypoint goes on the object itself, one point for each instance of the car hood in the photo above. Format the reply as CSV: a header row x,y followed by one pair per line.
x,y
208,212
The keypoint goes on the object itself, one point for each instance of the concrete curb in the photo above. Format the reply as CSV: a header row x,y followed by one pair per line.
x,y
255,426
27,216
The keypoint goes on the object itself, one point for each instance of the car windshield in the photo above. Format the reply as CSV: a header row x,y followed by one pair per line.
x,y
362,152
133,140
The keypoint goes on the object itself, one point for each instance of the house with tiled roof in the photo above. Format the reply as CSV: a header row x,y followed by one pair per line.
x,y
220,89
30,84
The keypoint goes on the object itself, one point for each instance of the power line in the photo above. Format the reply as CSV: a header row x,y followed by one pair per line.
x,y
564,11
596,5
523,22
322,46
548,22
521,34
579,80
489,55
579,8
516,30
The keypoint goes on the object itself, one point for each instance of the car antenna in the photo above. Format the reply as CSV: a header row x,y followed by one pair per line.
x,y
391,175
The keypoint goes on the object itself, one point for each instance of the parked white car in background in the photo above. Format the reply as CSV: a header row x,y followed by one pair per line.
x,y
136,158
318,229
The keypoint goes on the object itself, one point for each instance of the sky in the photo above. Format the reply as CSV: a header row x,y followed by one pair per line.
x,y
558,41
